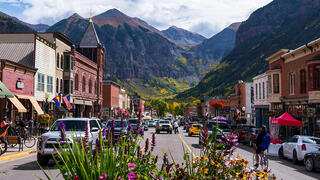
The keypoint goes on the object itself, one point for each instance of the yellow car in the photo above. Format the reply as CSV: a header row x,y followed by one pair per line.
x,y
195,129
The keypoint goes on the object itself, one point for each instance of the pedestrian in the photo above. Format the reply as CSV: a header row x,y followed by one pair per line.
x,y
31,126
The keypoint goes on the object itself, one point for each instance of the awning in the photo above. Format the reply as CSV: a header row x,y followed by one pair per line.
x,y
286,120
5,93
34,103
88,103
78,101
15,101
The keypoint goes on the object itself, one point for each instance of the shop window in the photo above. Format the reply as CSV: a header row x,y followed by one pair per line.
x,y
276,84
303,83
90,86
83,84
58,62
291,83
76,82
49,84
40,85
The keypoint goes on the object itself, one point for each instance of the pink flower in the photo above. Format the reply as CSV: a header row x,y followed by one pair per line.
x,y
131,166
227,164
220,171
132,176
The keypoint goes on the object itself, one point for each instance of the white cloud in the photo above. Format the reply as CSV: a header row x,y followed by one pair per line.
x,y
188,14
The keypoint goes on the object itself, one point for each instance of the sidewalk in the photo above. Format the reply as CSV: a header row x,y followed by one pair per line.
x,y
13,152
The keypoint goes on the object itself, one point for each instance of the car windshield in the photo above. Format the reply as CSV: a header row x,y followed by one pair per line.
x,y
164,122
71,125
197,126
117,123
133,121
311,140
151,121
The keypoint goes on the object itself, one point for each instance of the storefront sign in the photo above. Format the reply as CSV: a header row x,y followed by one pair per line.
x,y
269,114
20,85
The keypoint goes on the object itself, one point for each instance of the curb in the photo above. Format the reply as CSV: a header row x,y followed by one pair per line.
x,y
16,155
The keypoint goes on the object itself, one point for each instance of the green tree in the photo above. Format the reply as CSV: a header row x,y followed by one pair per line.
x,y
160,106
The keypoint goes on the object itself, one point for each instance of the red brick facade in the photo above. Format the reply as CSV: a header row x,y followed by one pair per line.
x,y
110,95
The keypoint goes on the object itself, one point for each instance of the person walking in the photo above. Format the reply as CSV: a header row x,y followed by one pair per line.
x,y
262,144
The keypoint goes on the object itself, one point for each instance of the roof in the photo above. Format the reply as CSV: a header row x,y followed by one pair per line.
x,y
90,38
21,53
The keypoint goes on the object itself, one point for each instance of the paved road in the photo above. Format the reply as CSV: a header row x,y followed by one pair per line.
x,y
26,167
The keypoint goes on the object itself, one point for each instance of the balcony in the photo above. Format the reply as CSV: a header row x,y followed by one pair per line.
x,y
314,96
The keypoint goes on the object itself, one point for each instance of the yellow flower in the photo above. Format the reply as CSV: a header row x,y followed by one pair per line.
x,y
218,165
204,170
212,163
204,158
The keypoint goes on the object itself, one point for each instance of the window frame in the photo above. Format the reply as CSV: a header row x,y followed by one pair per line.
x,y
303,81
49,84
276,85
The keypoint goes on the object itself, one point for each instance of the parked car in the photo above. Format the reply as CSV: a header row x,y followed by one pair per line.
x,y
224,128
152,123
182,123
74,127
312,160
298,146
250,137
164,125
134,125
195,129
145,126
241,130
117,127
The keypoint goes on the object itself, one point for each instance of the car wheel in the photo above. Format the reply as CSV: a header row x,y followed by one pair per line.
x,y
280,153
42,160
309,164
294,157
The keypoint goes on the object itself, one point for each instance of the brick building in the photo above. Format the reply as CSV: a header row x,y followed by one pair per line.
x,y
110,93
294,85
88,70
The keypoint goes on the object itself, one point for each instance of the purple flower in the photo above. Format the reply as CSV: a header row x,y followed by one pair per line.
x,y
141,132
104,132
129,127
109,137
98,145
112,127
84,141
87,130
62,129
153,142
132,176
105,176
131,166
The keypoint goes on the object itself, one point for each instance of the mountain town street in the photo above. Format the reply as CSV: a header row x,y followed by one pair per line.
x,y
28,168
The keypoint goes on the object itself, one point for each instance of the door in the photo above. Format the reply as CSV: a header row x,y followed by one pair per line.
x,y
292,145
94,129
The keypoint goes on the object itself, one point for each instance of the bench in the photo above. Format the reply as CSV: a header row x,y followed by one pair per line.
x,y
15,140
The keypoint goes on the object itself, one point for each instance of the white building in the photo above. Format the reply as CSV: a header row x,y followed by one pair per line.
x,y
249,103
261,104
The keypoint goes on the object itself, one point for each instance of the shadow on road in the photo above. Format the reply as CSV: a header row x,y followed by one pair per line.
x,y
197,146
297,167
34,166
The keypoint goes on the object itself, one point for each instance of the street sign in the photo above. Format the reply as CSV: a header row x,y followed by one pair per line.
x,y
269,113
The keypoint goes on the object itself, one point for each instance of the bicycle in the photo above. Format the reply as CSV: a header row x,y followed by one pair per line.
x,y
3,142
263,160
28,140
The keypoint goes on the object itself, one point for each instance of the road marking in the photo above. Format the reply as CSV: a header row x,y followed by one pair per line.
x,y
16,155
186,145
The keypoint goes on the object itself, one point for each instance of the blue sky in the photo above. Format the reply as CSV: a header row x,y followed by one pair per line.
x,y
206,17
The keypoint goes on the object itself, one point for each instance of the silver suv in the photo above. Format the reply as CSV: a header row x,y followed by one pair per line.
x,y
163,125
73,127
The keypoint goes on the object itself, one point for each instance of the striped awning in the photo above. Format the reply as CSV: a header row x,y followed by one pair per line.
x,y
4,91
34,103
15,101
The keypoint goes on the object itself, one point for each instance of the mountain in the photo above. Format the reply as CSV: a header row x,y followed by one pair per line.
x,y
280,24
182,36
34,27
137,54
212,50
9,25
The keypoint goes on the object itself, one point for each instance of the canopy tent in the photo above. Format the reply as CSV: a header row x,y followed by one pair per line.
x,y
222,118
286,120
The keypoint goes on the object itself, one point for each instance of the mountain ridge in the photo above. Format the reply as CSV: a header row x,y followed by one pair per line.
x,y
182,36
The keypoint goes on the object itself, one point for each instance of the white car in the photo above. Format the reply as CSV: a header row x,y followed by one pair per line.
x,y
297,146
74,127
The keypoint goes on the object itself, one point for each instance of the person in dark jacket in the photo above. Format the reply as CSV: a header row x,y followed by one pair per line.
x,y
262,143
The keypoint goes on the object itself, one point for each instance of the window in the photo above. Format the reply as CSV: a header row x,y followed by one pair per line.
x,y
76,82
93,124
40,85
67,63
58,62
276,83
259,90
95,86
71,62
310,77
291,83
61,61
71,86
49,84
256,91
57,85
83,84
317,77
90,86
61,85
66,86
303,83
263,91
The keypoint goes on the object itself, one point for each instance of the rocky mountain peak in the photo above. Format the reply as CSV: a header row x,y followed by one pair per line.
x,y
235,26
